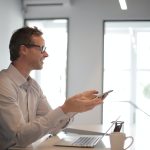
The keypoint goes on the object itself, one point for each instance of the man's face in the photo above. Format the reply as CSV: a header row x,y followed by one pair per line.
x,y
36,53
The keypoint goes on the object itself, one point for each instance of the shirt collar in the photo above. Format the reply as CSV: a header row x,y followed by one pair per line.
x,y
16,76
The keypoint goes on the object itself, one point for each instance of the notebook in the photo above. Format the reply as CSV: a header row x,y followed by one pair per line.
x,y
89,141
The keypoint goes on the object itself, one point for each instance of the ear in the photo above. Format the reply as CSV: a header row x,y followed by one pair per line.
x,y
23,50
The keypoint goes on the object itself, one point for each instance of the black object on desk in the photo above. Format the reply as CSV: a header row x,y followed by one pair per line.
x,y
118,126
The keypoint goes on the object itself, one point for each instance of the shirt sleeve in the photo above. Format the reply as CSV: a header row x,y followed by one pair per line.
x,y
61,120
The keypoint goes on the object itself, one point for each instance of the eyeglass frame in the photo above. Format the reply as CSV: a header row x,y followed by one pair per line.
x,y
41,48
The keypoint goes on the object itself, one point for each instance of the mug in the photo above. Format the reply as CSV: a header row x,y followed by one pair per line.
x,y
117,140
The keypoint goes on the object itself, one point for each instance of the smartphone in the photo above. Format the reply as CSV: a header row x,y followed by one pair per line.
x,y
102,96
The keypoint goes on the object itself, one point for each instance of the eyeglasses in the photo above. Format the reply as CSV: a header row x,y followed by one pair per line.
x,y
41,48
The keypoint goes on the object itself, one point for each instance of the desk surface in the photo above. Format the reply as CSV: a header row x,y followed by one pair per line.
x,y
48,143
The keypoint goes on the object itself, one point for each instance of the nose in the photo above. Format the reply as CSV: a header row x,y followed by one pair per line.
x,y
45,54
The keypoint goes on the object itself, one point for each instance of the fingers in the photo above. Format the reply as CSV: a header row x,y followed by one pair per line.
x,y
89,94
82,102
94,102
90,104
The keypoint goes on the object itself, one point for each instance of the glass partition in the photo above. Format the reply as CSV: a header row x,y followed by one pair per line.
x,y
126,68
127,72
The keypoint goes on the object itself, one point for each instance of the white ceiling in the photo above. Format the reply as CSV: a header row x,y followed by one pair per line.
x,y
132,4
107,8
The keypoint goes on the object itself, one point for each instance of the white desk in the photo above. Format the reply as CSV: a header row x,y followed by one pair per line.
x,y
141,142
48,143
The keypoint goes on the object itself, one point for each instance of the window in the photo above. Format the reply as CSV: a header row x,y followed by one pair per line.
x,y
127,70
52,77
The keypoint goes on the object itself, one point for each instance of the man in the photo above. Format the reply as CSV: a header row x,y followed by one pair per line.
x,y
25,115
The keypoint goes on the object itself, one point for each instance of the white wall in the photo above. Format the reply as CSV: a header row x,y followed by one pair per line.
x,y
86,40
10,19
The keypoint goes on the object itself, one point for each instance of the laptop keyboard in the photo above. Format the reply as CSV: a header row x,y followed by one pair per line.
x,y
86,141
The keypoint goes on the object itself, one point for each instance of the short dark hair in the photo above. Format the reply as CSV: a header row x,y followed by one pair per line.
x,y
22,36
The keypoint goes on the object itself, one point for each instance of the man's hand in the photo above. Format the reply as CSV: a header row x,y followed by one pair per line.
x,y
82,102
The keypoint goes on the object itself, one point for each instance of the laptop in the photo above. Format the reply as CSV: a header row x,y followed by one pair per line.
x,y
85,141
